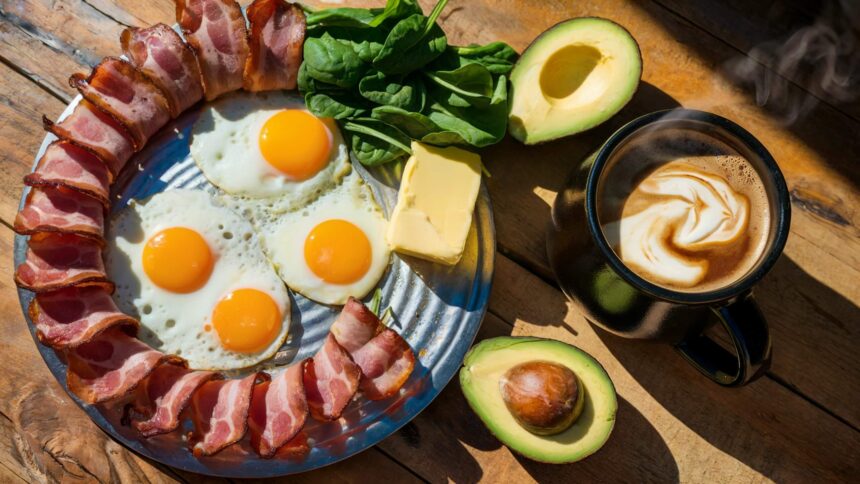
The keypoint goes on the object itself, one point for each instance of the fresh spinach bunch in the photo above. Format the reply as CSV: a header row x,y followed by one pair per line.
x,y
389,76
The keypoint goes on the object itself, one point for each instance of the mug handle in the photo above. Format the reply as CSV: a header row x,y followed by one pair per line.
x,y
750,336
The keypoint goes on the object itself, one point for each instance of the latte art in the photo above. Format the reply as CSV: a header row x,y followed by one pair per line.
x,y
691,211
684,210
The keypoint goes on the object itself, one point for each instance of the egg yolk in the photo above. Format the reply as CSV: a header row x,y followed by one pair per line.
x,y
296,143
338,252
246,320
177,259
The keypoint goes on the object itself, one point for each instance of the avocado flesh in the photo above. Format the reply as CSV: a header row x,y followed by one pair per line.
x,y
488,361
573,77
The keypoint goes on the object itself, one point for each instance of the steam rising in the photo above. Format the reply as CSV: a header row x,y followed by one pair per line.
x,y
823,57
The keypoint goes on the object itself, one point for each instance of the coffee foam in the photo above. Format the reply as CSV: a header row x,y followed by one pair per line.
x,y
690,214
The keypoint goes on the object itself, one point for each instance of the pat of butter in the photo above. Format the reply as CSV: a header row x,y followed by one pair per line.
x,y
434,206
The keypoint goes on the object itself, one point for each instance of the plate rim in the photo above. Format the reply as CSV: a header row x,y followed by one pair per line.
x,y
280,467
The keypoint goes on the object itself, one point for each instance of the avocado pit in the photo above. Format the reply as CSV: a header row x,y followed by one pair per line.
x,y
544,397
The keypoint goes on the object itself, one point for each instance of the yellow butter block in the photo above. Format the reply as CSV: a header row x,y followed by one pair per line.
x,y
434,206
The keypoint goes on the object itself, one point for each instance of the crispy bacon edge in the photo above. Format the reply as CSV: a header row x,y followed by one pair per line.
x,y
88,162
217,78
276,37
175,385
27,273
86,375
86,330
96,88
181,93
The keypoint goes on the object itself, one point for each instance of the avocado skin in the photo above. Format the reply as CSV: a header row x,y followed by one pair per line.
x,y
488,347
536,43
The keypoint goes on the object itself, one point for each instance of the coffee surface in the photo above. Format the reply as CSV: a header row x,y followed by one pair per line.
x,y
684,210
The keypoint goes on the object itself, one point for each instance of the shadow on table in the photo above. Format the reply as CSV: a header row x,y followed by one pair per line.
x,y
633,442
710,410
799,111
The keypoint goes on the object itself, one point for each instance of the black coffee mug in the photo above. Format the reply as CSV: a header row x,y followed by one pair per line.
x,y
617,299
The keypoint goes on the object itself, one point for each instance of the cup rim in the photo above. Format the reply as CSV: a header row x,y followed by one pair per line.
x,y
745,283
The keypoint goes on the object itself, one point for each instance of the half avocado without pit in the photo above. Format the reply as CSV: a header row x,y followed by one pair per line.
x,y
573,77
547,400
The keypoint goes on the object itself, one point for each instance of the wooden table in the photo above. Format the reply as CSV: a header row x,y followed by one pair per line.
x,y
798,423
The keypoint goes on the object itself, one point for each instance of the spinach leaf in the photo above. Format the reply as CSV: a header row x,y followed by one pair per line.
x,y
412,42
343,17
389,76
366,43
470,81
306,83
375,143
497,57
363,17
404,92
415,124
332,61
337,105
478,127
396,9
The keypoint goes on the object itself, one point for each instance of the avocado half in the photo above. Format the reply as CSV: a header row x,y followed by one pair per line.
x,y
573,77
489,360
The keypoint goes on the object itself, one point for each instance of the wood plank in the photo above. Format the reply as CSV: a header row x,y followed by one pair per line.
x,y
47,67
70,28
762,31
22,104
665,431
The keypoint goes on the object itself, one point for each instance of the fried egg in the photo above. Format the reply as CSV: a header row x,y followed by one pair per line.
x,y
256,146
195,275
333,248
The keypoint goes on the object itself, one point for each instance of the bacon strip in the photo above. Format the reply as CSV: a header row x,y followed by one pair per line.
x,y
279,410
55,261
93,129
385,358
215,30
221,413
276,41
163,396
72,316
161,54
355,326
128,95
296,448
111,365
70,166
386,363
60,210
331,380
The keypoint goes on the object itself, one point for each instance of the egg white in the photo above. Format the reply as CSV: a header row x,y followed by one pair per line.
x,y
284,238
225,145
174,323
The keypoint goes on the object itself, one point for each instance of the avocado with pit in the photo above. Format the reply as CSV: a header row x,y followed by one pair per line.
x,y
545,399
573,77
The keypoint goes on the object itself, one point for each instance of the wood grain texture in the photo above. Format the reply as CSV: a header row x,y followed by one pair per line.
x,y
672,424
22,104
778,35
